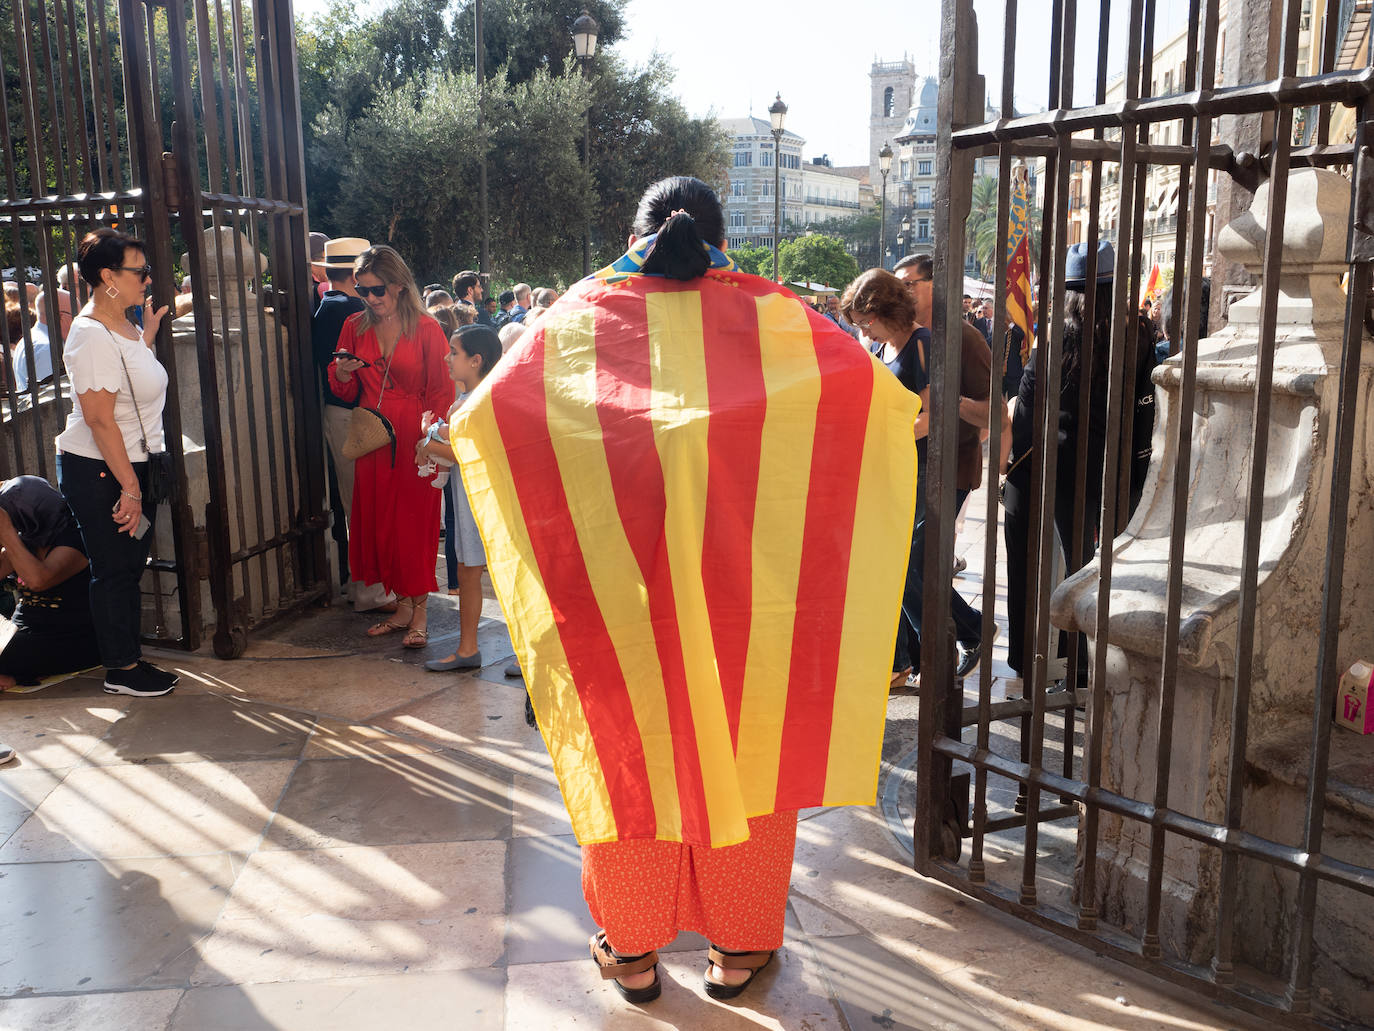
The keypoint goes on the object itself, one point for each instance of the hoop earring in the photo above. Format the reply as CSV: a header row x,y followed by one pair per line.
x,y
111,292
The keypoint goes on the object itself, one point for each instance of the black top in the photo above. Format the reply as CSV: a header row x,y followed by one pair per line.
x,y
64,608
912,371
909,366
1138,405
325,326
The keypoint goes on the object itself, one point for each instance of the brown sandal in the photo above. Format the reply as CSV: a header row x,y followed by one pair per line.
x,y
417,637
754,961
613,965
386,627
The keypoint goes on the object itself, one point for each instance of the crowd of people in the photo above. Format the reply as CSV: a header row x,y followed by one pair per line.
x,y
412,380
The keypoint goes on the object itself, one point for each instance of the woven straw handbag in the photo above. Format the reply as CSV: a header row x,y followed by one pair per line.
x,y
369,429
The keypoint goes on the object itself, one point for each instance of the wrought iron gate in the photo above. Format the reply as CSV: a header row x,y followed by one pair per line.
x,y
1121,904
179,121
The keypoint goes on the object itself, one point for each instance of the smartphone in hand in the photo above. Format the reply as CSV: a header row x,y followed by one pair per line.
x,y
347,356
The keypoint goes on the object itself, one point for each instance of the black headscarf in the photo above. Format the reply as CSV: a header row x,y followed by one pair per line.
x,y
39,513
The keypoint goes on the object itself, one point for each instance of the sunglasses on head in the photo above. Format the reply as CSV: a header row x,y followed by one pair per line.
x,y
370,291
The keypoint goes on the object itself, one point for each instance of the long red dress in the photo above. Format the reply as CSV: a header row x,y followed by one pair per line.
x,y
393,535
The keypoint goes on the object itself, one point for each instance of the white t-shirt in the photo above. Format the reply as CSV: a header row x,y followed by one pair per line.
x,y
91,354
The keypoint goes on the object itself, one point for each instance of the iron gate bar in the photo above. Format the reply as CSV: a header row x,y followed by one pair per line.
x,y
1196,109
1259,443
145,134
1358,254
255,236
1343,87
1189,329
314,478
1091,697
274,158
216,524
1241,842
999,357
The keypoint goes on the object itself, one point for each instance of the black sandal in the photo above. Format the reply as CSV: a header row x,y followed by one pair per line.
x,y
754,961
613,965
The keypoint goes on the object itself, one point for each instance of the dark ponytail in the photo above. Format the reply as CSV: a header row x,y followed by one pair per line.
x,y
685,214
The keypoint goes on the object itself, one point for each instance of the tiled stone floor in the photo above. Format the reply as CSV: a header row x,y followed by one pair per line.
x,y
322,835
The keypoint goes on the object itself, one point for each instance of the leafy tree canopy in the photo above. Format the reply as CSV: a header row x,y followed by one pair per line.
x,y
757,261
393,146
817,259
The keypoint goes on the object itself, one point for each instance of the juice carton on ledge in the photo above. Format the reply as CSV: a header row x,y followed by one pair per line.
x,y
1355,699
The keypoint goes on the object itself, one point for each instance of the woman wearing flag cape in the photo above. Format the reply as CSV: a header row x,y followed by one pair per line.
x,y
696,497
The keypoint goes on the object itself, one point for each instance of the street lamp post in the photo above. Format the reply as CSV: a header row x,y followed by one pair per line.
x,y
777,115
479,53
584,32
884,166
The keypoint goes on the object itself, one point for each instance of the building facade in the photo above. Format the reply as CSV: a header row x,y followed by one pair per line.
x,y
813,193
749,199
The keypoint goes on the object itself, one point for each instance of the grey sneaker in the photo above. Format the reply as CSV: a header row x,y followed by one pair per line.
x,y
6,753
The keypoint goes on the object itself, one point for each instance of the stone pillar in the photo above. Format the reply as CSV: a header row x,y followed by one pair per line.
x,y
1292,555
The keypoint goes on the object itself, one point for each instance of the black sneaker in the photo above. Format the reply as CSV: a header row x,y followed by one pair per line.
x,y
168,678
138,682
968,656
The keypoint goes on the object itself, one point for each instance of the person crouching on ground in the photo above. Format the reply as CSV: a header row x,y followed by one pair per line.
x,y
41,545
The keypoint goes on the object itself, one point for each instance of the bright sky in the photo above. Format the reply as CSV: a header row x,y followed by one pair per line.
x,y
818,53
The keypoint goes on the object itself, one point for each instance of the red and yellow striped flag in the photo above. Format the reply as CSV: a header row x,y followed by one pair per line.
x,y
696,500
1151,284
1020,301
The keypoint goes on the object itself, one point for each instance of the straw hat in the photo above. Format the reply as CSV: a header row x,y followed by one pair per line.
x,y
340,253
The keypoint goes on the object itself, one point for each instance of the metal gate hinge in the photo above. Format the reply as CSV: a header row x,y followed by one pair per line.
x,y
171,185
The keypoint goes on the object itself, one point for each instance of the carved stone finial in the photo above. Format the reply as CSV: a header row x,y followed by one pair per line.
x,y
237,262
1315,231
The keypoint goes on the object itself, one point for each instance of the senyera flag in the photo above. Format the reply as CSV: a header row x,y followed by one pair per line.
x,y
696,499
1019,296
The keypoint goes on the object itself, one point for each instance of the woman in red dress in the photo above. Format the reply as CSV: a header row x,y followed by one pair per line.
x,y
399,367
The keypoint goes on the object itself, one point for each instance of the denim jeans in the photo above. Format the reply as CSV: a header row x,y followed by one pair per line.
x,y
117,560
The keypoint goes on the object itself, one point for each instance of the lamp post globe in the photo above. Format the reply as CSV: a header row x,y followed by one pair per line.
x,y
584,33
884,166
777,117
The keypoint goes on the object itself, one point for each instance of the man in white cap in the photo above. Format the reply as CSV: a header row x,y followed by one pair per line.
x,y
339,302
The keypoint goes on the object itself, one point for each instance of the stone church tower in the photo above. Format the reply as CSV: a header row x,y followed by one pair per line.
x,y
893,89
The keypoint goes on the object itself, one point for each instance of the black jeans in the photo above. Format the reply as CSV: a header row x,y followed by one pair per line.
x,y
117,560
968,622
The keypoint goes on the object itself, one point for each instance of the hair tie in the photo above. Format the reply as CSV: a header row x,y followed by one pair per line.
x,y
674,214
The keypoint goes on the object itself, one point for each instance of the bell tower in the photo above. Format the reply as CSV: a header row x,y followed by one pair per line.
x,y
893,90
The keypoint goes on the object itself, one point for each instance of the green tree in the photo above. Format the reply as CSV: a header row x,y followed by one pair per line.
x,y
405,68
981,229
757,261
411,171
816,259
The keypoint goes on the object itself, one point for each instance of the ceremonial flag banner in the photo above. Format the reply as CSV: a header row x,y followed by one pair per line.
x,y
1020,301
1151,284
696,499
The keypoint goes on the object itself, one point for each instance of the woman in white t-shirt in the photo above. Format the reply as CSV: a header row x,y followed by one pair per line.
x,y
118,392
